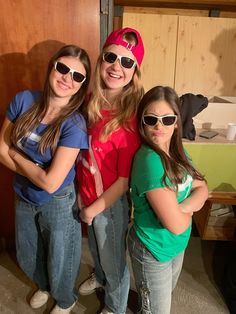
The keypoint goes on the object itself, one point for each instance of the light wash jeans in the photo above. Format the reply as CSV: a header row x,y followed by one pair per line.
x,y
48,243
107,242
154,280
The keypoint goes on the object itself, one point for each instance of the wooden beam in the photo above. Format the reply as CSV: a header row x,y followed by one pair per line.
x,y
198,4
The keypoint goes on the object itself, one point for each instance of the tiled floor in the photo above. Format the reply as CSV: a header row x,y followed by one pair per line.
x,y
196,292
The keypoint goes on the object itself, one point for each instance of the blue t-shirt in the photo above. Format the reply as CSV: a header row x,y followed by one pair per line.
x,y
73,134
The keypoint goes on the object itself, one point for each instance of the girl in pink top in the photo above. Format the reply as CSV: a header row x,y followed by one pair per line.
x,y
103,171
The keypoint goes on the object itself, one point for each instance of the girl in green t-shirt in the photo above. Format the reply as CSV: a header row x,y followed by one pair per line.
x,y
166,190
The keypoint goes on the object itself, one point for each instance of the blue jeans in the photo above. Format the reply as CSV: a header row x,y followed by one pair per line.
x,y
154,280
48,243
107,242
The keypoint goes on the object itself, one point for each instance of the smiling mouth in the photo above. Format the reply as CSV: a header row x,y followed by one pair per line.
x,y
116,76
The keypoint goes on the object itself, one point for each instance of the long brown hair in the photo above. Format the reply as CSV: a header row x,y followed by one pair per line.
x,y
28,121
176,164
128,99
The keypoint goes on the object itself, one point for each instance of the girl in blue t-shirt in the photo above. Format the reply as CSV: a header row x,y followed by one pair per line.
x,y
40,139
166,190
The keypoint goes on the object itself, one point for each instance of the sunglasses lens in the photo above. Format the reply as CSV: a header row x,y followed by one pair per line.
x,y
62,68
150,120
78,77
168,120
127,62
165,120
110,57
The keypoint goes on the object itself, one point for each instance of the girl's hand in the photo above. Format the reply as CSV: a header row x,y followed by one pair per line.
x,y
85,217
186,210
185,207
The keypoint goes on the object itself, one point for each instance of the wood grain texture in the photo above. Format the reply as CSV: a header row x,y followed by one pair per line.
x,y
190,53
35,31
226,232
31,31
204,4
159,37
206,60
166,11
178,11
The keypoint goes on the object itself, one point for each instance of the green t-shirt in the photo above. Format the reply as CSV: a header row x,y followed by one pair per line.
x,y
147,173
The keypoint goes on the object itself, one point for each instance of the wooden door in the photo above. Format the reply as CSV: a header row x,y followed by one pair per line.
x,y
31,31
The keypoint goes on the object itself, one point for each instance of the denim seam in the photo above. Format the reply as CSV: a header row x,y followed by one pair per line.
x,y
114,252
144,288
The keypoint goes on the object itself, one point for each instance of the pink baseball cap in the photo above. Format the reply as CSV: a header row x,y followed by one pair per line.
x,y
115,38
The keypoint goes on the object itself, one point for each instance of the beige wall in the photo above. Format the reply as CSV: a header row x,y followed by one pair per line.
x,y
190,53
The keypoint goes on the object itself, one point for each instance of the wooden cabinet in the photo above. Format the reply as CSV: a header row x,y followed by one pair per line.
x,y
218,231
190,53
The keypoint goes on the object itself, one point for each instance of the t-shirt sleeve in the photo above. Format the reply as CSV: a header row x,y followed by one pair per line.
x,y
148,173
74,133
21,103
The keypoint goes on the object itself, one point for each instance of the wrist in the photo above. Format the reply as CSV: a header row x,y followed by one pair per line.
x,y
13,154
88,212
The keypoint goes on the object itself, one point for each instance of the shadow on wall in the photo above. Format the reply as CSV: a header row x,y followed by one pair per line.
x,y
19,71
223,47
226,187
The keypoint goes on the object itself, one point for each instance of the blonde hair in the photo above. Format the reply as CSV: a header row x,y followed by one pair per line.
x,y
128,100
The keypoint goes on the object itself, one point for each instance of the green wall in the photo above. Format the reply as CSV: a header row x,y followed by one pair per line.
x,y
217,162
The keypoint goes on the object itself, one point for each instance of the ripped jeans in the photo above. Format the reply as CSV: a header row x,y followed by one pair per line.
x,y
154,280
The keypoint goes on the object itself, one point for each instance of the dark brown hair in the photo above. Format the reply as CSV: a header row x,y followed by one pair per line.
x,y
30,119
176,164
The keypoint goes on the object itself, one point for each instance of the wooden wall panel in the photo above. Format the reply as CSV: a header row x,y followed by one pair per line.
x,y
191,53
206,59
31,31
197,4
159,37
167,11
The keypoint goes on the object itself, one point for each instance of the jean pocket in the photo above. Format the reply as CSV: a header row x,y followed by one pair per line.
x,y
66,193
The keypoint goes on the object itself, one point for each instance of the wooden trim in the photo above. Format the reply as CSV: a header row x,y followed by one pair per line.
x,y
201,218
223,198
117,22
166,11
200,4
171,11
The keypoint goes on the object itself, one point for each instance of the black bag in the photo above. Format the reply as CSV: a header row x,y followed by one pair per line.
x,y
190,106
